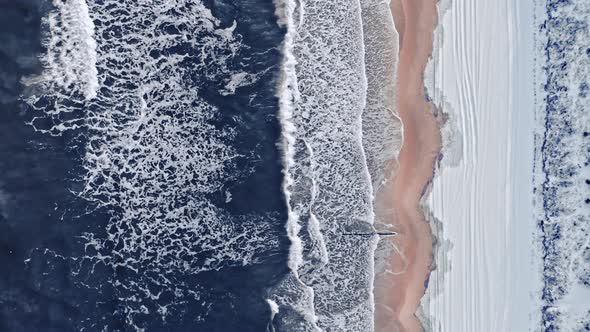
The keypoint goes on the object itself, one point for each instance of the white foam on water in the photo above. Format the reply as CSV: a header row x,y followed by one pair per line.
x,y
152,155
382,127
70,70
238,80
301,296
274,310
315,234
327,183
70,60
274,307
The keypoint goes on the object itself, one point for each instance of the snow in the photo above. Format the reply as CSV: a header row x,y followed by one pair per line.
x,y
481,75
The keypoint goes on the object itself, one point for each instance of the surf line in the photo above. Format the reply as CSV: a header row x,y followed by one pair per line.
x,y
401,287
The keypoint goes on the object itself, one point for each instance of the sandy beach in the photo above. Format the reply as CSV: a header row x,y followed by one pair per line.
x,y
399,289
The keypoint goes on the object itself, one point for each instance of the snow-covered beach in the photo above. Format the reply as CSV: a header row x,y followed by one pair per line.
x,y
481,75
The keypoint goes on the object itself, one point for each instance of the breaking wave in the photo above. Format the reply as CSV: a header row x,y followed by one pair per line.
x,y
327,182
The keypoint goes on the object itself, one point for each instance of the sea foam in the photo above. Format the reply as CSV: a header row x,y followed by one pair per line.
x,y
126,78
327,183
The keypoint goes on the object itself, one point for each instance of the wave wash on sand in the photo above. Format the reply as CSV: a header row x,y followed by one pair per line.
x,y
400,286
342,140
326,182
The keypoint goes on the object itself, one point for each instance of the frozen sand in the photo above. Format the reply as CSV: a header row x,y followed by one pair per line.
x,y
482,76
401,288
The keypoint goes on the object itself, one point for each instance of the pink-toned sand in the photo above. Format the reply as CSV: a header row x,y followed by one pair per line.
x,y
398,293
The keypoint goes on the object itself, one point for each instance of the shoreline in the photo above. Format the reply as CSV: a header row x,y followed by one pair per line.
x,y
400,288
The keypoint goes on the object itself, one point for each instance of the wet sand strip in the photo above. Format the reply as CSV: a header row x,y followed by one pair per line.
x,y
398,290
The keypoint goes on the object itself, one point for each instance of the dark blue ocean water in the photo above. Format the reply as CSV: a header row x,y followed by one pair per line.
x,y
45,282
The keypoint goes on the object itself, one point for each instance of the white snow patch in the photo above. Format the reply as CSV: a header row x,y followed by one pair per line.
x,y
481,74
